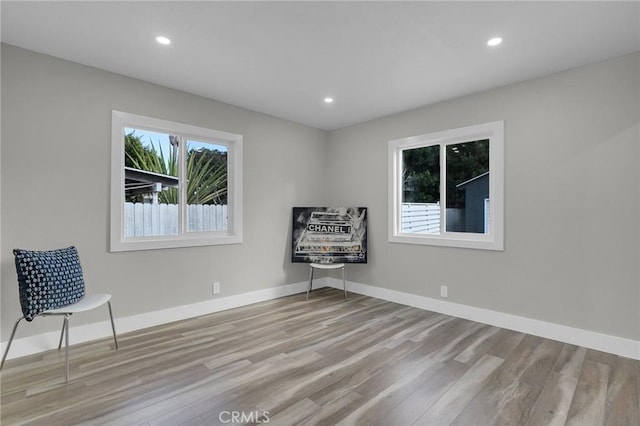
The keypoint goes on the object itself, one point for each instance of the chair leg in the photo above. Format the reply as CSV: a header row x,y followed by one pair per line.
x,y
310,280
61,336
113,326
13,333
66,348
344,284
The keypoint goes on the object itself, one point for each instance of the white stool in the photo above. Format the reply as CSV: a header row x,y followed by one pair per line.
x,y
326,266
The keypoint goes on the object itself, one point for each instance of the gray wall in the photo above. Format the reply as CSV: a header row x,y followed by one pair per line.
x,y
56,128
572,200
572,166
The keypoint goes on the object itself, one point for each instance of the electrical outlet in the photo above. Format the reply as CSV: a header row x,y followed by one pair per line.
x,y
444,291
216,288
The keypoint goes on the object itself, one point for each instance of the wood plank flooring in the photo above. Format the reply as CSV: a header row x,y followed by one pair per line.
x,y
324,362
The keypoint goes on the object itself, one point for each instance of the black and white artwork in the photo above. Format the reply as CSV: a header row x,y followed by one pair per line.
x,y
329,235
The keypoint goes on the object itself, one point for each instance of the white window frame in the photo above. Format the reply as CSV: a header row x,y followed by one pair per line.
x,y
233,142
494,239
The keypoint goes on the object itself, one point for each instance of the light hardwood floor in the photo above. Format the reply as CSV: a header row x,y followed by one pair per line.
x,y
325,361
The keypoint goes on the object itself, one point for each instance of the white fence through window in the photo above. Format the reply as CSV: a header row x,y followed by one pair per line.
x,y
421,218
154,220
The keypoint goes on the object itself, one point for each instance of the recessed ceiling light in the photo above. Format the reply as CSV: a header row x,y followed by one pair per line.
x,y
328,100
494,41
163,40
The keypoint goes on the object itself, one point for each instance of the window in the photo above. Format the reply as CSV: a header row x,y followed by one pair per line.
x,y
446,188
173,185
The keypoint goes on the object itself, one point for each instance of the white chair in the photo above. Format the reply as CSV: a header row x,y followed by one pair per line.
x,y
326,266
51,283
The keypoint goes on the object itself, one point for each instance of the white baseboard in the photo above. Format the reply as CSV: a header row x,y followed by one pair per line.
x,y
575,336
84,333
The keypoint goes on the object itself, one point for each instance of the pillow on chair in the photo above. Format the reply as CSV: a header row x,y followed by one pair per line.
x,y
48,279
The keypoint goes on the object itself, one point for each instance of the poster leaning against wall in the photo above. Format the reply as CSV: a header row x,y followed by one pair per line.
x,y
329,235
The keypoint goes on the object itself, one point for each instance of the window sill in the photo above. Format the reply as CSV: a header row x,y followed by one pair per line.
x,y
155,243
455,240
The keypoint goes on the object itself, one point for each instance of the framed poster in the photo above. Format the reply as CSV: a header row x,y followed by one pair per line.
x,y
329,235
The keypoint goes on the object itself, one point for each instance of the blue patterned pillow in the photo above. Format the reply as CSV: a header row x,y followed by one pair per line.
x,y
48,279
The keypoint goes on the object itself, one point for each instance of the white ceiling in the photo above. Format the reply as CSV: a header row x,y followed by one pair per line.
x,y
284,58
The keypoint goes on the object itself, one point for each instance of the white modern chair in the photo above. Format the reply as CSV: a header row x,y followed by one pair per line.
x,y
326,266
51,283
